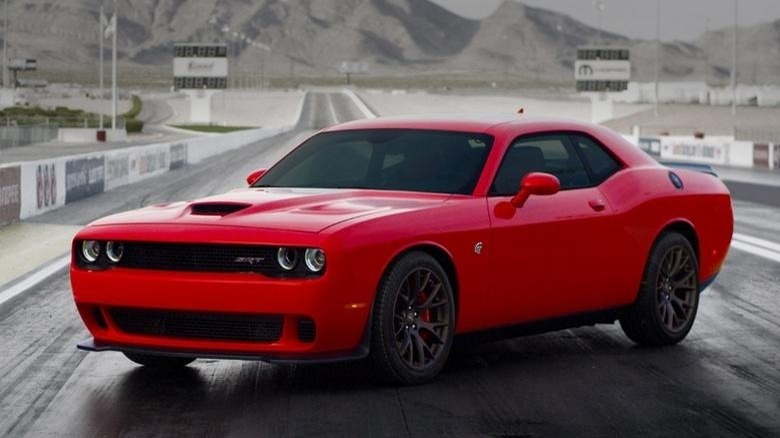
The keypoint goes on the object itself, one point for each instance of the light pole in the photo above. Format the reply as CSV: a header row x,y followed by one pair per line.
x,y
101,36
113,67
734,62
600,6
5,46
657,52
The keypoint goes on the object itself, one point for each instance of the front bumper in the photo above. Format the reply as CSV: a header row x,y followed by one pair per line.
x,y
339,312
360,353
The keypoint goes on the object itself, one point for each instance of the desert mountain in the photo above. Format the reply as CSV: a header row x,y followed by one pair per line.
x,y
394,37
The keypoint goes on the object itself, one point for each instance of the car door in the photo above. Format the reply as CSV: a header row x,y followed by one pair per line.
x,y
551,257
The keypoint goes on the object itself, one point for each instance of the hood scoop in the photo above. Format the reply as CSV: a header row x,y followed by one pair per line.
x,y
216,208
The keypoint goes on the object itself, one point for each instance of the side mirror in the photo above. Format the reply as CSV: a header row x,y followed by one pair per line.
x,y
254,176
536,183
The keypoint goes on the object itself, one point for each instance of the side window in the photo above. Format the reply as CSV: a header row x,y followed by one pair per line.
x,y
599,162
550,153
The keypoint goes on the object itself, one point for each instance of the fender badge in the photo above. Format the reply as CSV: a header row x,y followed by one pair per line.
x,y
478,248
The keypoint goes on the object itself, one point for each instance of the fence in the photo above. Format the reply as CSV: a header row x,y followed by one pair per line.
x,y
14,136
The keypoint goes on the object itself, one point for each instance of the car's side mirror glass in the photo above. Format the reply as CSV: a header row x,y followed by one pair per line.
x,y
254,176
536,183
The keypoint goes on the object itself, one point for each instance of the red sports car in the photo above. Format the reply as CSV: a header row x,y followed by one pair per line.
x,y
389,237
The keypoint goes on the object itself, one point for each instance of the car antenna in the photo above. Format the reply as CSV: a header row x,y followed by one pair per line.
x,y
521,111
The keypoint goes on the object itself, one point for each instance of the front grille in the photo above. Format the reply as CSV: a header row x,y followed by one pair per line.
x,y
198,257
253,328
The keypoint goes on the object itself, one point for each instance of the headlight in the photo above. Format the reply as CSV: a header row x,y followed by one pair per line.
x,y
114,251
90,250
314,259
287,258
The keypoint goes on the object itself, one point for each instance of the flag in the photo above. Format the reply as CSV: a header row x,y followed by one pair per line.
x,y
109,25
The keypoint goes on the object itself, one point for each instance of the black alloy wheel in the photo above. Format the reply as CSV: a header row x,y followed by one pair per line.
x,y
668,299
414,320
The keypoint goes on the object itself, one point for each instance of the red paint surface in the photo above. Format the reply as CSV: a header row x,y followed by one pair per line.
x,y
575,251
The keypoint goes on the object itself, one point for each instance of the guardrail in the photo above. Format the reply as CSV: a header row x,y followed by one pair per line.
x,y
31,188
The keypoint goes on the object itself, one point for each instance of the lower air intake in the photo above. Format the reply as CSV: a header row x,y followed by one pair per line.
x,y
216,326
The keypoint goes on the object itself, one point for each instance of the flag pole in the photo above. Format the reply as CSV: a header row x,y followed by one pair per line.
x,y
101,36
113,68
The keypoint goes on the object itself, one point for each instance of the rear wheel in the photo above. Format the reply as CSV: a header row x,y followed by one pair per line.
x,y
414,321
154,361
668,299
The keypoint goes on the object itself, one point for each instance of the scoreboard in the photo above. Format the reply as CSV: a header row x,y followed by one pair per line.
x,y
600,69
200,66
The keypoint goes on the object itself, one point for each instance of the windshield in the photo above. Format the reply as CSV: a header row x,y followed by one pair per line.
x,y
410,160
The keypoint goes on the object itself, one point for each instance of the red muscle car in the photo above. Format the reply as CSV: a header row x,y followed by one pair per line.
x,y
389,237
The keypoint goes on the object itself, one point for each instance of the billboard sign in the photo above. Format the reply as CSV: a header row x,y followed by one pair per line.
x,y
200,65
602,69
23,64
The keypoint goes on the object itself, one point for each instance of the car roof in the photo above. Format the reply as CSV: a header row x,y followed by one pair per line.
x,y
462,122
503,124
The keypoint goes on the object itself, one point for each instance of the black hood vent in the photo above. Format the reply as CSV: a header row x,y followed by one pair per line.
x,y
216,208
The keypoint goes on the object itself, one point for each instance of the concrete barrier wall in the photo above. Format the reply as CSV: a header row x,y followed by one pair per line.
x,y
15,136
31,188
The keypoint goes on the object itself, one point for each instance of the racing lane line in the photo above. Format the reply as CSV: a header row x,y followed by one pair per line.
x,y
331,110
33,280
756,250
767,244
359,104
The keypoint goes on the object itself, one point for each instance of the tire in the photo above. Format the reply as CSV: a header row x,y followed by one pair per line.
x,y
160,362
411,336
668,297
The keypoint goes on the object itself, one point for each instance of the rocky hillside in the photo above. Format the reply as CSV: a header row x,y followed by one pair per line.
x,y
394,36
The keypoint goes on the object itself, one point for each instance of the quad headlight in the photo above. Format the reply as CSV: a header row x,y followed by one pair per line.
x,y
114,251
289,260
314,258
90,250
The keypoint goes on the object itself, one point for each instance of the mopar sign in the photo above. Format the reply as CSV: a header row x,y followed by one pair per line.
x,y
84,177
602,69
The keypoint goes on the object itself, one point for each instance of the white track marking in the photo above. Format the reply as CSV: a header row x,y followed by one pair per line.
x,y
756,250
33,280
367,113
331,109
758,242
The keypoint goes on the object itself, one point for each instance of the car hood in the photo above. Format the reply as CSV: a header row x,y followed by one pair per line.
x,y
304,210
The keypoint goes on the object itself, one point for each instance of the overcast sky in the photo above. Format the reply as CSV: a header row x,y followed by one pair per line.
x,y
680,19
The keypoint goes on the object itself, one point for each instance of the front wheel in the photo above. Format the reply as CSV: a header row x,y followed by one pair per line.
x,y
154,361
668,299
414,320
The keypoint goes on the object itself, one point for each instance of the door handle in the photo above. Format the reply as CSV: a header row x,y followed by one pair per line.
x,y
597,204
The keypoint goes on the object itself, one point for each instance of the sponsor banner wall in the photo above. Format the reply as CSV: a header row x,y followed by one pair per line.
x,y
149,161
10,194
740,153
761,155
776,155
711,151
43,187
178,155
84,177
117,169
